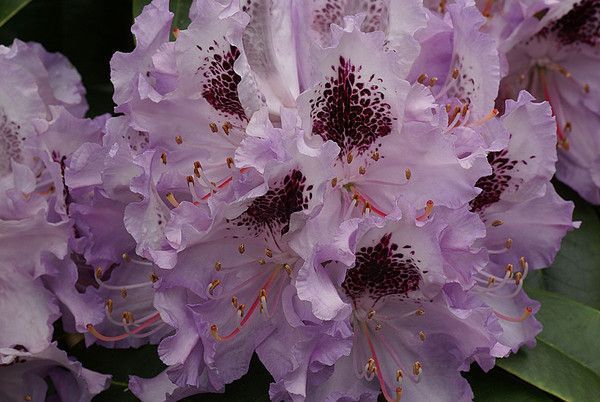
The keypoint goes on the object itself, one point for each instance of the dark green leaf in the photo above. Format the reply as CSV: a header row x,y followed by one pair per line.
x,y
500,386
8,8
576,270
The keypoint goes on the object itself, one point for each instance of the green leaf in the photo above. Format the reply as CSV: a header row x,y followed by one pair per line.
x,y
570,327
499,386
576,270
8,8
180,9
566,360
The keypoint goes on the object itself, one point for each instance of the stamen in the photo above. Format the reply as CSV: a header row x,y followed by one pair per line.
x,y
407,173
121,288
218,266
269,253
432,81
455,73
213,285
375,156
226,127
109,305
420,312
127,316
523,263
427,212
242,248
508,243
213,127
421,78
422,335
240,310
178,140
497,222
349,158
261,261
493,113
417,368
526,313
153,277
229,161
334,182
98,272
126,257
154,318
263,299
561,138
172,200
287,268
163,157
399,375
362,170
234,301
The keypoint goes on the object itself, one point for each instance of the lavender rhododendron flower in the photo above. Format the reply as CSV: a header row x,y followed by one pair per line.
x,y
336,186
551,49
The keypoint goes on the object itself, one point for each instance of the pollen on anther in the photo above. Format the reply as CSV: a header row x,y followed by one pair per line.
x,y
178,139
213,127
99,272
420,312
433,81
518,278
213,285
455,73
334,182
127,316
371,314
417,368
269,253
229,161
226,127
509,268
497,223
349,158
242,248
508,243
190,180
218,266
109,305
287,268
153,277
522,262
375,156
362,170
407,173
163,157
399,375
422,78
422,335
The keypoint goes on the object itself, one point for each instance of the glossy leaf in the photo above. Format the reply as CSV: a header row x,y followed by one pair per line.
x,y
8,8
499,386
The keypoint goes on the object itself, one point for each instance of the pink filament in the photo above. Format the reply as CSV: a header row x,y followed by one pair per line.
x,y
145,324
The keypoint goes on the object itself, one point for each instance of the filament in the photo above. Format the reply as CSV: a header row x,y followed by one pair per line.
x,y
153,318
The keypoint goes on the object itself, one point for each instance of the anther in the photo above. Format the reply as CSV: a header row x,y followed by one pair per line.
x,y
432,81
242,248
421,78
568,127
371,314
497,223
420,312
123,293
491,281
197,165
263,299
268,253
178,139
367,208
213,127
287,268
375,156
334,182
377,326
172,200
417,368
518,277
455,73
586,88
109,305
27,397
99,272
190,180
509,268
422,335
407,173
234,301
126,257
261,261
508,243
448,107
464,110
226,127
214,331
427,212
370,366
240,310
127,316
218,266
349,158
564,143
163,157
213,285
523,263
362,170
229,161
153,277
399,375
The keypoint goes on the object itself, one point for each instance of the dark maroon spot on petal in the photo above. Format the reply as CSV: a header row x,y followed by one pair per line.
x,y
10,143
220,86
350,110
493,186
580,25
273,210
380,271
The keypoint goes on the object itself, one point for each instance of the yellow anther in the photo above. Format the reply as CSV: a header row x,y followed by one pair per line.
x,y
127,316
407,173
229,161
420,312
362,170
99,272
218,266
399,375
226,127
523,262
508,243
261,261
240,310
213,285
455,73
242,248
172,200
417,368
163,157
109,305
421,78
213,127
287,268
190,179
422,335
433,81
518,278
497,223
349,158
234,301
178,139
375,156
268,253
126,257
371,314
509,268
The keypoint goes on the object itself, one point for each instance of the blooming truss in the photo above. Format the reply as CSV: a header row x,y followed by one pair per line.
x,y
335,186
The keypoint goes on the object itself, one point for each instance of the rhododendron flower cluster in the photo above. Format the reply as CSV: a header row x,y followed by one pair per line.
x,y
336,186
